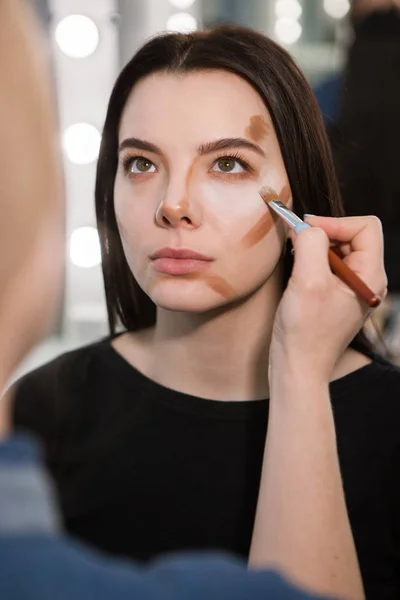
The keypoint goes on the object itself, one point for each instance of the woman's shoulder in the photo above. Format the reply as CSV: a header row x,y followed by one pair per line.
x,y
371,389
357,366
383,372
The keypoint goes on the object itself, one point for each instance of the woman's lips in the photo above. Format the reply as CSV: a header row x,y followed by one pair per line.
x,y
172,261
179,266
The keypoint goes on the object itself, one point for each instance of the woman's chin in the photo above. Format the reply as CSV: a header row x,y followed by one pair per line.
x,y
189,305
195,301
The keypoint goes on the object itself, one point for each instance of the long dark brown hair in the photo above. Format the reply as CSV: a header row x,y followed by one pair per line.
x,y
271,71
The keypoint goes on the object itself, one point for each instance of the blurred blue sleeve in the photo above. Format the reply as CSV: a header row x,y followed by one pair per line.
x,y
38,562
328,94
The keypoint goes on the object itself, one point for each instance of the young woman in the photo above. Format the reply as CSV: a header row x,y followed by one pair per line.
x,y
156,436
36,561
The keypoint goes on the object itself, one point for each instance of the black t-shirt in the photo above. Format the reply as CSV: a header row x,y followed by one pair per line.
x,y
143,470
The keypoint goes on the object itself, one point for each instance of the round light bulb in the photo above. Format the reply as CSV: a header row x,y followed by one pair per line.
x,y
337,9
82,143
182,4
182,22
77,36
287,31
288,9
84,247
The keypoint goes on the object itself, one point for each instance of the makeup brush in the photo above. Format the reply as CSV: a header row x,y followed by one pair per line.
x,y
337,265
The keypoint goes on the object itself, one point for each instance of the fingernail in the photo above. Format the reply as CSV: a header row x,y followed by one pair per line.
x,y
308,215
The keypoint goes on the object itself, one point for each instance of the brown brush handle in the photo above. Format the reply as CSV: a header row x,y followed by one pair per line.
x,y
352,280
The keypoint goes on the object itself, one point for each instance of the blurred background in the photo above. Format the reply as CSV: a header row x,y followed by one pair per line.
x,y
90,41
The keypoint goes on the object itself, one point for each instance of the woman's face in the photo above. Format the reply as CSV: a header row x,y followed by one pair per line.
x,y
194,150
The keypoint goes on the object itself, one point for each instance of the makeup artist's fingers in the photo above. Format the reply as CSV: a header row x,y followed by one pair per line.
x,y
361,241
316,307
342,249
363,233
311,265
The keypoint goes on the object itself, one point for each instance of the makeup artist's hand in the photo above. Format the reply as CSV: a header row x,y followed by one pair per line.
x,y
319,315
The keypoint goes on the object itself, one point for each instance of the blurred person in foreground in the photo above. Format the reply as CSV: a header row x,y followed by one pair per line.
x,y
303,530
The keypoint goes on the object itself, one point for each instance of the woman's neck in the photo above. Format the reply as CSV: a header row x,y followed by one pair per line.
x,y
220,355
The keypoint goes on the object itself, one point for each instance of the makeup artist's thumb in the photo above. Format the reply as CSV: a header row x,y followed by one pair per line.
x,y
311,263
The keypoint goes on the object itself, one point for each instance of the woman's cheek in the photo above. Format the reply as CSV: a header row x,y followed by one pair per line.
x,y
232,199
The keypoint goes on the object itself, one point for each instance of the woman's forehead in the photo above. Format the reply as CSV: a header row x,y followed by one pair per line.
x,y
207,101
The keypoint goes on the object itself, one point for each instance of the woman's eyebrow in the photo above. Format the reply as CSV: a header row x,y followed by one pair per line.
x,y
139,145
229,143
221,144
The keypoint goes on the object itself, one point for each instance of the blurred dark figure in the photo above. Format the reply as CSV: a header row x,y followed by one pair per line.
x,y
365,137
361,109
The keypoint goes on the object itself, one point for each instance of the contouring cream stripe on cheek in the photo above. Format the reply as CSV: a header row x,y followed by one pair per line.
x,y
258,231
213,281
266,222
219,285
285,194
258,128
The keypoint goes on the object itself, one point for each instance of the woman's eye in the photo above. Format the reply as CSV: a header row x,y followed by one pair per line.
x,y
141,165
228,165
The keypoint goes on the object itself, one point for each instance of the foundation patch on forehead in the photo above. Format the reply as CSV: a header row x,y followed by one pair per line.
x,y
258,128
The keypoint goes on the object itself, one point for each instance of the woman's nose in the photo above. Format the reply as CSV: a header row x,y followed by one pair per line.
x,y
179,208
